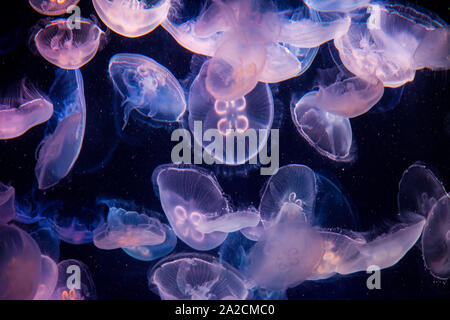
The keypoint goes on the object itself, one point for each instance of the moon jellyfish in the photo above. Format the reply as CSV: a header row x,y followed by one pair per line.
x,y
125,229
291,184
196,277
349,96
419,190
19,114
231,120
132,18
52,7
287,253
231,222
67,46
384,44
154,252
330,134
48,280
7,210
336,5
351,253
59,150
147,87
74,282
189,196
20,264
436,239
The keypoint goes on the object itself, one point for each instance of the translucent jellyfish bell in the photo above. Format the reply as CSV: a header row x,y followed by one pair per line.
x,y
48,280
69,46
74,282
19,114
350,252
331,135
419,190
436,239
125,229
147,87
196,277
52,7
132,18
190,195
59,150
287,253
294,184
7,209
384,44
20,264
154,252
231,222
230,121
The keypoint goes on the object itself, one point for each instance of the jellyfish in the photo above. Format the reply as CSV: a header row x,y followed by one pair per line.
x,y
59,150
349,96
20,264
7,209
231,121
231,222
287,253
436,239
419,190
330,134
294,184
53,7
132,18
19,114
125,229
389,44
253,233
74,282
192,276
349,252
69,46
147,87
154,252
336,5
46,238
189,196
48,280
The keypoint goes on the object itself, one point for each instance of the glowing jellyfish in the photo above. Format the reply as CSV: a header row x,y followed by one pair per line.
x,y
349,97
331,135
125,229
392,44
196,277
52,7
58,151
68,46
336,5
189,196
132,18
7,210
74,282
419,190
20,264
350,252
147,87
436,239
287,253
244,122
291,184
48,280
19,114
154,252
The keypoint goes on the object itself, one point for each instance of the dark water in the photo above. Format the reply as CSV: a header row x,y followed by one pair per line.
x,y
119,164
